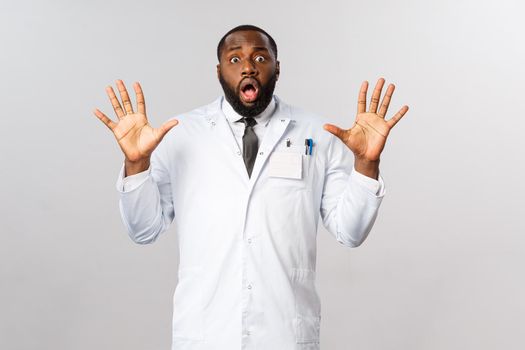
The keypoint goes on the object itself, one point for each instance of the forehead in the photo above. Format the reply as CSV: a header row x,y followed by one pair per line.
x,y
246,38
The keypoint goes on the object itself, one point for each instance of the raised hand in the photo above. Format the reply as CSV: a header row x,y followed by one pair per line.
x,y
367,137
134,134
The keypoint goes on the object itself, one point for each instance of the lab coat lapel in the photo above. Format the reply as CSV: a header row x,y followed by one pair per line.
x,y
277,126
221,131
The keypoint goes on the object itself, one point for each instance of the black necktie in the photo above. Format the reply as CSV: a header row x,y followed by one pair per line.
x,y
250,143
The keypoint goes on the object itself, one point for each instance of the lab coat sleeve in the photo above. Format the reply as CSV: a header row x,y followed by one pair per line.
x,y
350,200
146,205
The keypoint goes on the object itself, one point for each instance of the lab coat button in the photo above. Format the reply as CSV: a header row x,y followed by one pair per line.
x,y
249,240
249,286
261,153
248,333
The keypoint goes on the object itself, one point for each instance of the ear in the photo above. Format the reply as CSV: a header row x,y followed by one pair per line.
x,y
277,69
218,70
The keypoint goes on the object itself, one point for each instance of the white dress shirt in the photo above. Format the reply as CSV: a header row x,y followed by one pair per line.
x,y
247,245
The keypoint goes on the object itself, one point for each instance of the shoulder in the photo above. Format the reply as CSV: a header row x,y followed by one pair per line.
x,y
311,122
194,120
301,114
199,113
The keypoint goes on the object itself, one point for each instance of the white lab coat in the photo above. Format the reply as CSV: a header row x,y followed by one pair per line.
x,y
247,246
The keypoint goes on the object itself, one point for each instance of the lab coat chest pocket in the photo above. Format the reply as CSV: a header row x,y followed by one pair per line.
x,y
289,167
307,305
188,318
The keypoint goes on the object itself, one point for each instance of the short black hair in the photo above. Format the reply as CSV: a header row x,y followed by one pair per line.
x,y
242,27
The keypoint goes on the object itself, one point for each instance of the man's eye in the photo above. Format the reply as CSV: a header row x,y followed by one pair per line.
x,y
234,59
259,59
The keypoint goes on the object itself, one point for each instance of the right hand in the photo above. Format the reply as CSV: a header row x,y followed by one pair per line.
x,y
135,136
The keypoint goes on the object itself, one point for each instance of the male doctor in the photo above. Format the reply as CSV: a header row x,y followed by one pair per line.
x,y
244,180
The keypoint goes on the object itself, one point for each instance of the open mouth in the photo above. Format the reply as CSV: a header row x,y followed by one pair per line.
x,y
249,90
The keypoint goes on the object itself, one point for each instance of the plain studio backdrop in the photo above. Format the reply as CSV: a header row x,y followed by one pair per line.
x,y
443,267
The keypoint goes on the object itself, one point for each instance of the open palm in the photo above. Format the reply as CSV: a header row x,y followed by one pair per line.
x,y
367,137
134,134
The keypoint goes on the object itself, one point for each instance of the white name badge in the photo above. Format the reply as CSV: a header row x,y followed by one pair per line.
x,y
286,164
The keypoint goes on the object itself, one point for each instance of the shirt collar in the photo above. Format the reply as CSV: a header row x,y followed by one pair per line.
x,y
262,118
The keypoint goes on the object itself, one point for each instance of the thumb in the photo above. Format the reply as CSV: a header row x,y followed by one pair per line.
x,y
337,131
164,128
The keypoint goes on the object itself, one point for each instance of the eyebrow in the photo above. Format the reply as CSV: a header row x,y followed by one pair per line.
x,y
257,48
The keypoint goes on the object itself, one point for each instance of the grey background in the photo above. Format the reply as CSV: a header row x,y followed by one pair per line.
x,y
443,266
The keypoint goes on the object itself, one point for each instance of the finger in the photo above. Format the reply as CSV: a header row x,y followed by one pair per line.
x,y
115,102
361,101
163,130
108,122
125,97
386,100
393,121
335,130
141,103
376,95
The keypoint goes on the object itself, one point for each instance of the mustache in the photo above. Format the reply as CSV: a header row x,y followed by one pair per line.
x,y
231,94
249,81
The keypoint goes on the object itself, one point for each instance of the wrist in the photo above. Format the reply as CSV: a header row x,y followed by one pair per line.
x,y
366,167
135,167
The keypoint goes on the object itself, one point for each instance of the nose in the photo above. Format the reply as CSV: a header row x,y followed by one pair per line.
x,y
248,68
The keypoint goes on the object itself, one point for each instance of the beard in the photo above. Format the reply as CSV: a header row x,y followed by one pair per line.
x,y
263,100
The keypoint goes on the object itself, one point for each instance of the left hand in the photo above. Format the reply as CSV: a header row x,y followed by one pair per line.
x,y
367,137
